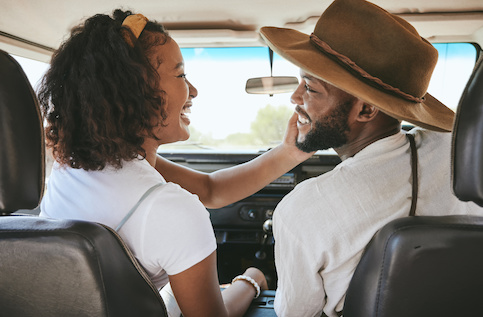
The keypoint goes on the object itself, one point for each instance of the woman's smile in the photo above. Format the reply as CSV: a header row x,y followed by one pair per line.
x,y
185,113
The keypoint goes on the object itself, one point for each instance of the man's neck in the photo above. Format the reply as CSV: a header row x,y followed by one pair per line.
x,y
364,139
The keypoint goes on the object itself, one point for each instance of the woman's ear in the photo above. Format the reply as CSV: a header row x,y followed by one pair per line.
x,y
367,112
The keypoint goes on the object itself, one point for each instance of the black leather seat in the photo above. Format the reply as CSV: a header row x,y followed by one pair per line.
x,y
55,267
431,266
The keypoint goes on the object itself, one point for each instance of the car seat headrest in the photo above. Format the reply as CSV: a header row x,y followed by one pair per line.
x,y
467,149
22,153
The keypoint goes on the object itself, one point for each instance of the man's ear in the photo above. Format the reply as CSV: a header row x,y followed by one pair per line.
x,y
367,112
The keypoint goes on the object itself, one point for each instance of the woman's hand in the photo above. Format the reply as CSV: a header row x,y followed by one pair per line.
x,y
197,291
258,276
229,185
290,138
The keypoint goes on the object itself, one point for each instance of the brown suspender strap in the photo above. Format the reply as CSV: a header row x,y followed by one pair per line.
x,y
414,171
414,174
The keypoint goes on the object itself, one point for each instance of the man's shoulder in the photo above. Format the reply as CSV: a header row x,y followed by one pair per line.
x,y
313,193
428,136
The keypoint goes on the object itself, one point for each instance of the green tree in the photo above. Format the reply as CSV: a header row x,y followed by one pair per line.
x,y
240,139
197,137
270,124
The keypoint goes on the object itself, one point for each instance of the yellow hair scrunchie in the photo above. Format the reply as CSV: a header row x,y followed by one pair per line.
x,y
135,23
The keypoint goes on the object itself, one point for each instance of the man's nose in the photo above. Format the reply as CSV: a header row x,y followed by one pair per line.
x,y
296,97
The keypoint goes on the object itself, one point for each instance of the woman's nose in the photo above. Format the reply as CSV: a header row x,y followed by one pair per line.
x,y
193,92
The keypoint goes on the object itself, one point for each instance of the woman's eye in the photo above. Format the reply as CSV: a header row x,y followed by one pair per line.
x,y
181,76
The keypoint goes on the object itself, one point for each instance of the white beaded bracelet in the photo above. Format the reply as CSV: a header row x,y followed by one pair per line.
x,y
249,280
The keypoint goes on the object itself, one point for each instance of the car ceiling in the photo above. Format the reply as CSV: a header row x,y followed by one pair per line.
x,y
34,28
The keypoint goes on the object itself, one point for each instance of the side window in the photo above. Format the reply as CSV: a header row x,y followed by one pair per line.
x,y
454,68
33,69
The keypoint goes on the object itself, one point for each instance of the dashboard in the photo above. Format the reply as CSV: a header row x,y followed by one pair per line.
x,y
243,229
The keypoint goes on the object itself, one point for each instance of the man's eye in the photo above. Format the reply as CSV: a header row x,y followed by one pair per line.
x,y
182,76
307,87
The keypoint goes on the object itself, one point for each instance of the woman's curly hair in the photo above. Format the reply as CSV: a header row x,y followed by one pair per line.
x,y
101,96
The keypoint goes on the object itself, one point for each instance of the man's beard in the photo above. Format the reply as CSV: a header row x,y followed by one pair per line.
x,y
329,132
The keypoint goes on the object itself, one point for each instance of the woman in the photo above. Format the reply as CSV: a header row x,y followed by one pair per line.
x,y
116,90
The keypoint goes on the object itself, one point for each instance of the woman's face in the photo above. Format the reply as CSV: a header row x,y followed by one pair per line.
x,y
178,93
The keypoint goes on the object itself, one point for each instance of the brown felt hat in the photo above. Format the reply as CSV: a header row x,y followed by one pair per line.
x,y
371,54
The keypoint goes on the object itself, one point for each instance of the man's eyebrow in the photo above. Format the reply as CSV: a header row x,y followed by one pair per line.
x,y
308,77
315,79
179,65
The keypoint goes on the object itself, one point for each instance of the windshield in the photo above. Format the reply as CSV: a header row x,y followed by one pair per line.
x,y
223,115
225,118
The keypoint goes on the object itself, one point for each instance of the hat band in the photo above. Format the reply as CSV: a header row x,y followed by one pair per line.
x,y
135,23
325,48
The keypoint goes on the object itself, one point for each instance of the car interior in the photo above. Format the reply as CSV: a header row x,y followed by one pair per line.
x,y
415,266
430,266
54,267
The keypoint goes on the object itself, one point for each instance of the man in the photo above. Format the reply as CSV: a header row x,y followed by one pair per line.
x,y
363,71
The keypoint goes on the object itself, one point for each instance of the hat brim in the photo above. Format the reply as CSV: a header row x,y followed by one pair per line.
x,y
296,47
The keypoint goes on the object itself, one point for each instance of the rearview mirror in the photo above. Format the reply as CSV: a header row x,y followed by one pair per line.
x,y
271,85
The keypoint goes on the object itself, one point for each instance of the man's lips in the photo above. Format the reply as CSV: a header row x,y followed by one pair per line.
x,y
303,118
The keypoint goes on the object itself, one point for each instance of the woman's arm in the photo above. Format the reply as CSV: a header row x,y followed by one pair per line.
x,y
197,291
229,185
